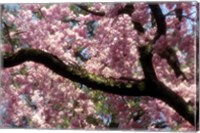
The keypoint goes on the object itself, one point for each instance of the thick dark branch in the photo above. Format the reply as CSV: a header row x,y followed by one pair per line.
x,y
162,92
158,90
169,54
146,62
160,20
145,87
75,73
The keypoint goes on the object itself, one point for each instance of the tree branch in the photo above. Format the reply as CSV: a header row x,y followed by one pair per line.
x,y
75,73
158,90
165,94
140,88
160,20
169,54
146,62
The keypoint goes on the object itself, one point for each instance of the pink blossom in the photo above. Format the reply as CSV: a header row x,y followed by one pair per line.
x,y
57,101
6,48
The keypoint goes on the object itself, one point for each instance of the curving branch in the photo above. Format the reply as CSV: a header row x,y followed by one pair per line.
x,y
160,90
153,88
169,54
75,73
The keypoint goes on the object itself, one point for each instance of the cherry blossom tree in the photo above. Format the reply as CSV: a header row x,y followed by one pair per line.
x,y
99,66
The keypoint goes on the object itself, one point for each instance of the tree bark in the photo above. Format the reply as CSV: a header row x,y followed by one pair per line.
x,y
144,87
